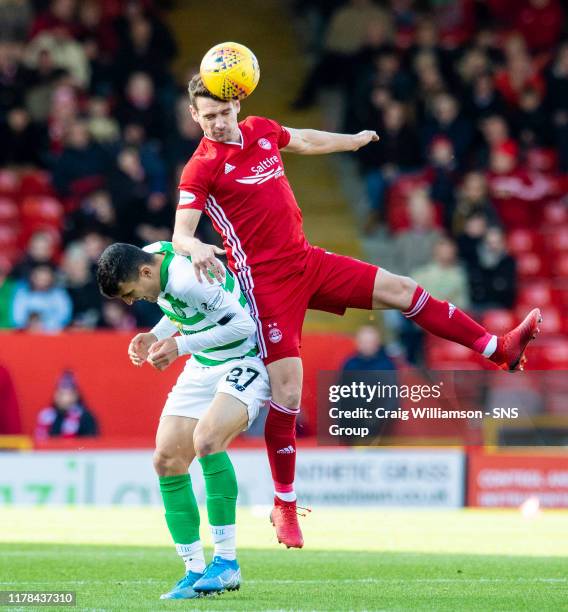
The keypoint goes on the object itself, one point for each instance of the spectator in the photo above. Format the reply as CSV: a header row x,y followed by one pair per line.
x,y
82,164
40,297
96,213
370,354
443,176
185,138
396,153
414,247
68,415
482,99
445,120
116,317
102,127
370,364
531,121
82,289
344,38
557,103
516,193
22,140
473,198
141,107
41,249
492,277
444,277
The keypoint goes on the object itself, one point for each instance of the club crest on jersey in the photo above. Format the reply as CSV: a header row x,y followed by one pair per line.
x,y
263,143
229,168
177,305
274,334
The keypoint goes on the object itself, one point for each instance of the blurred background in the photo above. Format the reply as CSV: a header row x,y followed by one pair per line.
x,y
466,192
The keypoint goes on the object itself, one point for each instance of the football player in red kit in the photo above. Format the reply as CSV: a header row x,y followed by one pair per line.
x,y
236,176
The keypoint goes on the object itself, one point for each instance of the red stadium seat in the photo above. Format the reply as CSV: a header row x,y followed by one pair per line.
x,y
559,265
9,211
555,213
9,182
499,321
538,293
557,239
531,265
522,241
37,182
44,210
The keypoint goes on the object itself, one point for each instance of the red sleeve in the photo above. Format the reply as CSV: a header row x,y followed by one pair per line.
x,y
193,187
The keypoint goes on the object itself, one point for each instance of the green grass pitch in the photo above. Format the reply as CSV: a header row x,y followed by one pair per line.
x,y
121,559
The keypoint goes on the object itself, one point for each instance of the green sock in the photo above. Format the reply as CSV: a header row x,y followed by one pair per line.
x,y
221,487
182,513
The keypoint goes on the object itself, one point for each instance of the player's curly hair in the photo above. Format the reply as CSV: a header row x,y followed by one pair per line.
x,y
119,263
197,89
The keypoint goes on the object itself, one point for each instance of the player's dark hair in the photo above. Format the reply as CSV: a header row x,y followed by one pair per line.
x,y
119,263
197,89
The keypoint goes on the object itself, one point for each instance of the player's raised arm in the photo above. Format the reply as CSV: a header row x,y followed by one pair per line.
x,y
316,142
202,255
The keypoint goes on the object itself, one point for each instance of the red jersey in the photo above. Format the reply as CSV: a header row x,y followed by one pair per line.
x,y
242,187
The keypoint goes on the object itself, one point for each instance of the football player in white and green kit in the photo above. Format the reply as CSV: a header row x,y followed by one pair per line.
x,y
218,394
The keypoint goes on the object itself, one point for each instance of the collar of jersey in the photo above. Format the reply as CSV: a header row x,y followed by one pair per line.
x,y
238,144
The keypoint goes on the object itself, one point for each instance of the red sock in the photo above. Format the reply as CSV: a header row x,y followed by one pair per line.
x,y
280,438
446,321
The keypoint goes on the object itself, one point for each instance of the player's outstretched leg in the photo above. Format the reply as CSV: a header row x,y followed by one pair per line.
x,y
444,320
223,573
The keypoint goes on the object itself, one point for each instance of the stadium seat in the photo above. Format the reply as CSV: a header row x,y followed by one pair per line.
x,y
498,321
559,265
37,182
542,160
538,293
554,214
42,210
522,241
9,182
552,319
557,239
9,211
531,265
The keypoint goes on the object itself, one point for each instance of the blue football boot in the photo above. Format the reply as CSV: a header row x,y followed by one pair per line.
x,y
184,587
220,575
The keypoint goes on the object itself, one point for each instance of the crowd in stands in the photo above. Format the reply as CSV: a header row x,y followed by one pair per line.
x,y
466,189
94,131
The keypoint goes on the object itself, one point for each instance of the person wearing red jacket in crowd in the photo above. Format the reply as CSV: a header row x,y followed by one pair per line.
x,y
540,22
516,193
520,72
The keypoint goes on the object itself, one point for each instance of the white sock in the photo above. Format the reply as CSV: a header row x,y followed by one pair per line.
x,y
224,538
491,347
192,555
287,497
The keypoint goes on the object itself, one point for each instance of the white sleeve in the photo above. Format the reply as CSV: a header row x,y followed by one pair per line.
x,y
164,328
232,322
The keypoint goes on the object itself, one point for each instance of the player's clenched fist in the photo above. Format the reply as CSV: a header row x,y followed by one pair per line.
x,y
364,138
163,353
204,261
139,347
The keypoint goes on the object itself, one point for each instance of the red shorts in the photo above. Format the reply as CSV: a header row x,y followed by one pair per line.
x,y
328,282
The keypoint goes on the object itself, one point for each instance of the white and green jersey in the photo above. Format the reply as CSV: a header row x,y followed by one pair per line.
x,y
213,318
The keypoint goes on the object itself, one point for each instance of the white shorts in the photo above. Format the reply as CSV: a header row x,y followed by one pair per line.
x,y
246,379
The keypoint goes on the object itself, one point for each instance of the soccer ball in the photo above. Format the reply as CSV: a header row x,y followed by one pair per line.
x,y
230,71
